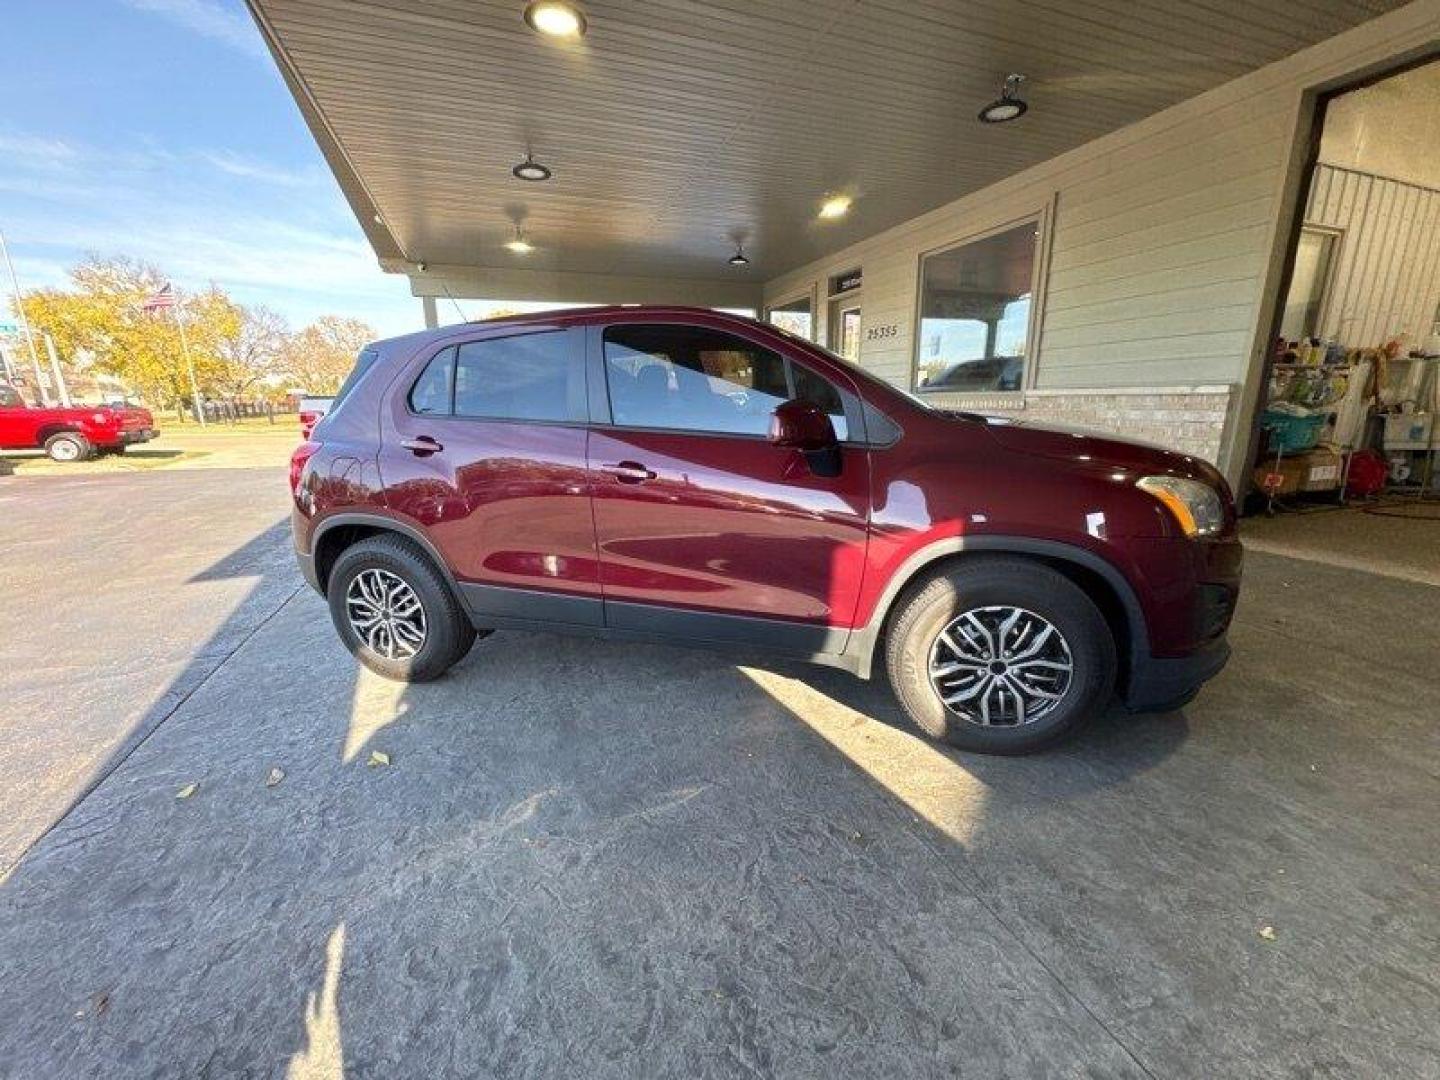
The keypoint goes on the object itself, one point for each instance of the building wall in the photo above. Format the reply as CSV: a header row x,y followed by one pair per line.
x,y
1163,249
1386,278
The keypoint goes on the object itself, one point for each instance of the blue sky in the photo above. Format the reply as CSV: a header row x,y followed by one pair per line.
x,y
161,129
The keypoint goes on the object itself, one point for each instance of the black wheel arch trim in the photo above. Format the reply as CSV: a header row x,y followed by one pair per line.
x,y
381,523
867,641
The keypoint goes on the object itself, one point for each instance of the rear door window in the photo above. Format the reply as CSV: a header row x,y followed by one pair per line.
x,y
430,396
521,377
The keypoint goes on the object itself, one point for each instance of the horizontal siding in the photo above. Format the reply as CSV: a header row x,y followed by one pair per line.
x,y
1161,236
1386,280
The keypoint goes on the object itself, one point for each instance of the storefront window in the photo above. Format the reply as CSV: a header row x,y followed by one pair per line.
x,y
798,317
975,313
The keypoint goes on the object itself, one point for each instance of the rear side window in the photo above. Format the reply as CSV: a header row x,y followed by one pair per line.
x,y
524,377
363,363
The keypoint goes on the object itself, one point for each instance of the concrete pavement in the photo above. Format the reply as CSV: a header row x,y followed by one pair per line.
x,y
587,859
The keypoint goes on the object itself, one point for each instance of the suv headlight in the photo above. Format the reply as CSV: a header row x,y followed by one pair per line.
x,y
1195,506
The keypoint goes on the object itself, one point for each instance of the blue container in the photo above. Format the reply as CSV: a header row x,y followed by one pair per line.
x,y
1291,434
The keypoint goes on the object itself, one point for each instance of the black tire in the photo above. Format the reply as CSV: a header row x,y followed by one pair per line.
x,y
448,633
68,446
1011,583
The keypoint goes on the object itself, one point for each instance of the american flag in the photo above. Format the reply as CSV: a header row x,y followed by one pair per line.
x,y
163,298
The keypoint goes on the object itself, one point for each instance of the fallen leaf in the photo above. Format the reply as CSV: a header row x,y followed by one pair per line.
x,y
276,775
378,757
186,791
1268,933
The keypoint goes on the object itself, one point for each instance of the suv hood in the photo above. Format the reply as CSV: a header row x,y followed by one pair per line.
x,y
1094,450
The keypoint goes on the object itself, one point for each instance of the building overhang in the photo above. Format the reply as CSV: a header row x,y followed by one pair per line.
x,y
677,134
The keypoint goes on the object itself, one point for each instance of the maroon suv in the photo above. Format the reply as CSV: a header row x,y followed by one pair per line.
x,y
682,476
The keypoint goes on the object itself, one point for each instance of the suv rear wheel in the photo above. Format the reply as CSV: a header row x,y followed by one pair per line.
x,y
68,446
1000,656
395,611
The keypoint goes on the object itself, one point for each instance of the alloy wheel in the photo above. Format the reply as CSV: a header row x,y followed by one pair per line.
x,y
1000,666
386,614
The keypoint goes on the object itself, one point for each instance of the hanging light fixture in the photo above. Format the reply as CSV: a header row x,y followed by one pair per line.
x,y
1008,105
739,259
531,170
835,206
519,245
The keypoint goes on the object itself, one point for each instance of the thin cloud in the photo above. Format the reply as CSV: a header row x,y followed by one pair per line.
x,y
249,169
38,151
210,19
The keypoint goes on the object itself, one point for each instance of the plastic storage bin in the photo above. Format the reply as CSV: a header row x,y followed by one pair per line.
x,y
1291,433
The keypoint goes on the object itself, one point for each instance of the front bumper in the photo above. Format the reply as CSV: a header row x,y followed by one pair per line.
x,y
143,435
1159,683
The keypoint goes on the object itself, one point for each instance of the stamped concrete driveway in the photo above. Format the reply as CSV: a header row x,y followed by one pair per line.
x,y
594,860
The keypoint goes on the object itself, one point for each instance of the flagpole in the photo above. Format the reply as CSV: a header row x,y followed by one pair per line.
x,y
25,323
189,361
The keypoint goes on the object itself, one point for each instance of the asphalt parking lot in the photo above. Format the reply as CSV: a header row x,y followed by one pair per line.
x,y
598,860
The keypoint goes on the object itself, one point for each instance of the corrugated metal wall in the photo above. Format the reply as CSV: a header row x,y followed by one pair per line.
x,y
1386,280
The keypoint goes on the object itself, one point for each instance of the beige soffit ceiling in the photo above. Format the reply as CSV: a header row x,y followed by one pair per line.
x,y
676,127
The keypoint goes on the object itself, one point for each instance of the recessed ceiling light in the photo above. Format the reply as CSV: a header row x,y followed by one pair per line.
x,y
531,170
555,18
519,245
1008,105
835,206
739,259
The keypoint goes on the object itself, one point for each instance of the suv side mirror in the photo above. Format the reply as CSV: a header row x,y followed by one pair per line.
x,y
802,425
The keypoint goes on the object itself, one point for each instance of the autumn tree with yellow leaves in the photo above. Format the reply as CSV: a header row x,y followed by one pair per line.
x,y
239,352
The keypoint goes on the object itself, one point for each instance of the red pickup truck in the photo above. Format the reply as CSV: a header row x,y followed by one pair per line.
x,y
71,434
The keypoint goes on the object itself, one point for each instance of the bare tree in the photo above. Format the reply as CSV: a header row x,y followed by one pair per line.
x,y
253,353
321,355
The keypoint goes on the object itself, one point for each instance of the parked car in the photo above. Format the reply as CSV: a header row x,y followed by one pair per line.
x,y
683,476
311,410
71,434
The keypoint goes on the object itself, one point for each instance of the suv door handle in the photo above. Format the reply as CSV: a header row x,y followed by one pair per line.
x,y
629,472
421,445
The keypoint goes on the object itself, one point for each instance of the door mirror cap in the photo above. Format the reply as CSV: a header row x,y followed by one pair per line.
x,y
802,425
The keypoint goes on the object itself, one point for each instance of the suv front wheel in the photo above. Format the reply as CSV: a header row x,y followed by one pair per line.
x,y
395,611
1000,656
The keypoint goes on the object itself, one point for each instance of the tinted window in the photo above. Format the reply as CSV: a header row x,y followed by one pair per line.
x,y
692,379
525,377
363,363
431,392
10,398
